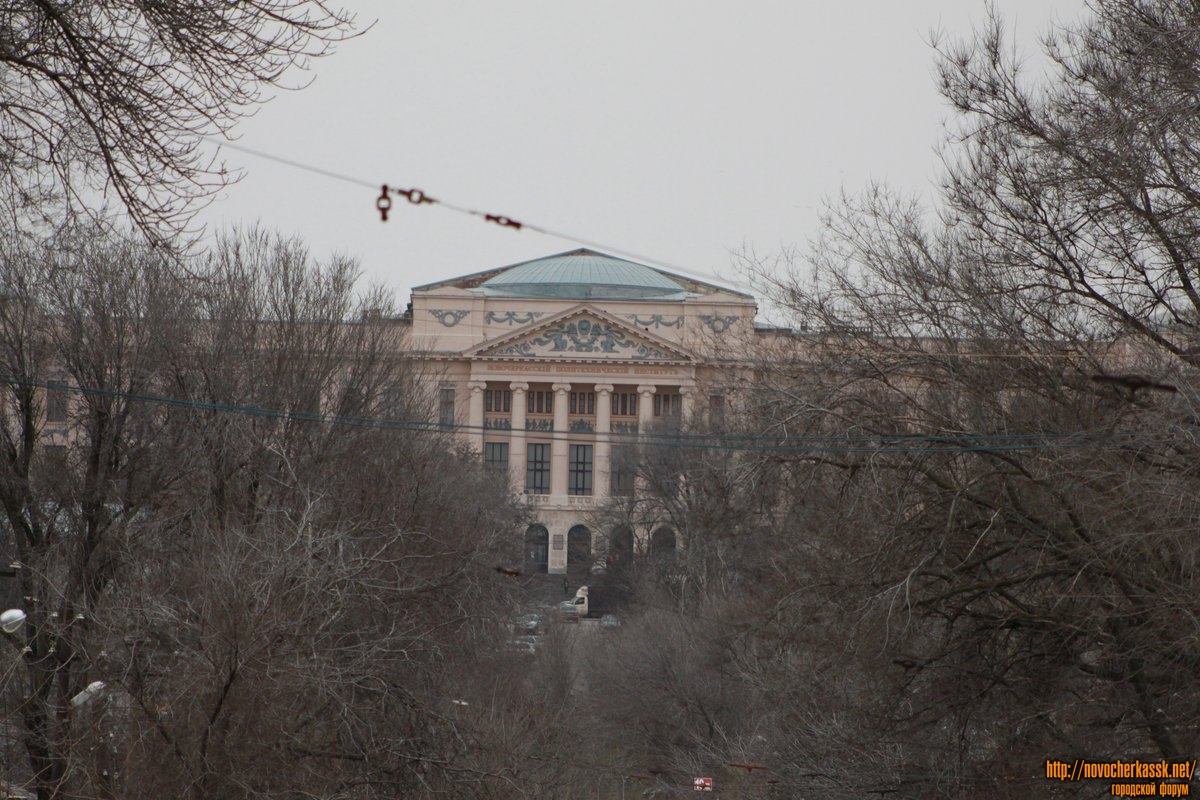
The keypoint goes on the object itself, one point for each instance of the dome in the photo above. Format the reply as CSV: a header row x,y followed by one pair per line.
x,y
583,275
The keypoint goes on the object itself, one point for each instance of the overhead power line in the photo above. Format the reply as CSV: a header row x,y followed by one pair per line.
x,y
825,444
384,205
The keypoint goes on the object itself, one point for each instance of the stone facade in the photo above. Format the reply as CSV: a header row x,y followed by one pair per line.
x,y
548,366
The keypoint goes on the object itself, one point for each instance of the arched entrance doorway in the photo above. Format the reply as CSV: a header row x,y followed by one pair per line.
x,y
620,549
662,546
537,549
579,553
620,559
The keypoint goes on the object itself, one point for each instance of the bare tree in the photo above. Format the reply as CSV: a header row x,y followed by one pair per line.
x,y
77,469
952,533
1083,190
116,95
1017,383
240,523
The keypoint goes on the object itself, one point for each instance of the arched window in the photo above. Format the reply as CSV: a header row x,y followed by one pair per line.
x,y
662,545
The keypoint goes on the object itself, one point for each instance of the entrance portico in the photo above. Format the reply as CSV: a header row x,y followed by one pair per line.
x,y
560,362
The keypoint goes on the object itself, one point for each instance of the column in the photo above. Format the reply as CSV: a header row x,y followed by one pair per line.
x,y
475,415
645,417
687,400
645,407
516,439
558,445
603,462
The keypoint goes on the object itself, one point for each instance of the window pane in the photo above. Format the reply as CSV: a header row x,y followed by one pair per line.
x,y
537,469
580,469
391,401
446,407
621,472
622,404
667,405
56,401
716,410
495,455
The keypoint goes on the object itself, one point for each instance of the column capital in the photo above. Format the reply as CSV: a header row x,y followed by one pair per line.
x,y
687,388
519,386
604,388
646,388
561,387
476,386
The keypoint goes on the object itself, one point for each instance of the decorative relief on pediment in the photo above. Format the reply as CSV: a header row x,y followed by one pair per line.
x,y
449,318
718,324
585,335
657,320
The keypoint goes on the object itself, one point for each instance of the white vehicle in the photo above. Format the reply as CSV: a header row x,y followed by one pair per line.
x,y
577,608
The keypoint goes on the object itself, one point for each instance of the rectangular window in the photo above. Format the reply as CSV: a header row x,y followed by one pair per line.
x,y
624,404
391,401
56,401
56,460
497,400
446,407
495,455
537,469
716,410
539,402
621,470
667,405
579,469
583,403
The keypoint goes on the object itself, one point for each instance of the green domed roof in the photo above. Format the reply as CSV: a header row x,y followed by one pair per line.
x,y
583,275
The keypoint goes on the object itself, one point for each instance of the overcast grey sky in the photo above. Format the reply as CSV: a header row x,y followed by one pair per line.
x,y
676,131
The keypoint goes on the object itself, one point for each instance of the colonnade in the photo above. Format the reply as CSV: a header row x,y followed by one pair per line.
x,y
562,437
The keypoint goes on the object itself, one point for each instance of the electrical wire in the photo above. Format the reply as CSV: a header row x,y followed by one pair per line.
x,y
843,444
290,163
420,197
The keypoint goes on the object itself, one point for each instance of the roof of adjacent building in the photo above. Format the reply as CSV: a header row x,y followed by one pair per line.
x,y
581,275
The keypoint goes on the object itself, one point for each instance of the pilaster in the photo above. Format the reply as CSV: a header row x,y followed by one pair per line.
x,y
475,415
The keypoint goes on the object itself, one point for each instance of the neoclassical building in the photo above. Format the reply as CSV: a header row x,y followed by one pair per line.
x,y
550,367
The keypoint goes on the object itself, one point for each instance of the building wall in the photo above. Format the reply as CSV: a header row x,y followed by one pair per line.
x,y
586,351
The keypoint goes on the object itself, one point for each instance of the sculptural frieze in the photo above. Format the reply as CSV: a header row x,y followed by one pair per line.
x,y
585,335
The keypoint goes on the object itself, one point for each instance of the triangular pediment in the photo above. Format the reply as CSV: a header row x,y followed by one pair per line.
x,y
583,333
